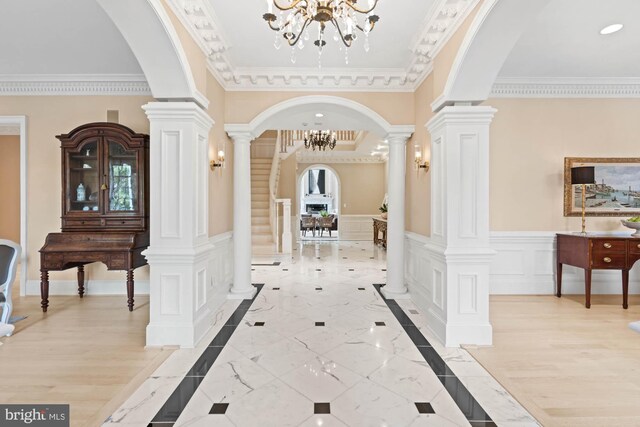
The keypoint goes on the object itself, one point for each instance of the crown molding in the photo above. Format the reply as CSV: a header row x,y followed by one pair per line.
x,y
73,84
9,130
201,22
566,88
337,157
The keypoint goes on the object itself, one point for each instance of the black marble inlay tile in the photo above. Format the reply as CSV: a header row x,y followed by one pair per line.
x,y
371,257
344,257
425,408
318,269
258,324
253,269
319,323
318,289
317,257
276,289
236,317
178,400
285,269
414,312
483,424
205,362
352,269
321,408
223,336
404,319
465,401
416,336
436,363
361,289
384,269
152,424
381,324
219,408
273,264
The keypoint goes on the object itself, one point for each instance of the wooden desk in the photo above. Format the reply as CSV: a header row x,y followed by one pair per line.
x,y
597,251
119,251
380,226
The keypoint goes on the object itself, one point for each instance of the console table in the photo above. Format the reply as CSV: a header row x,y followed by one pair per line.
x,y
597,251
380,226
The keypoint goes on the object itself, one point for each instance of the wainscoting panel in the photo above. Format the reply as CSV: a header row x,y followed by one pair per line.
x,y
356,227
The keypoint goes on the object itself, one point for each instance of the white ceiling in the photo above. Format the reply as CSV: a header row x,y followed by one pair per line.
x,y
252,41
565,42
61,37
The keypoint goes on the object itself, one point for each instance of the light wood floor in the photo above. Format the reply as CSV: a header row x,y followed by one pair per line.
x,y
88,353
567,365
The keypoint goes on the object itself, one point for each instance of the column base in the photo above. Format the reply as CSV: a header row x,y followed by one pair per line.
x,y
472,334
249,294
389,294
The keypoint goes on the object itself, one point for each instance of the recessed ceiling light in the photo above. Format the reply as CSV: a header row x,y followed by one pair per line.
x,y
610,29
319,115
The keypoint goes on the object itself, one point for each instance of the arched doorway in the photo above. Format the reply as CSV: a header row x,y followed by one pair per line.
x,y
341,114
319,196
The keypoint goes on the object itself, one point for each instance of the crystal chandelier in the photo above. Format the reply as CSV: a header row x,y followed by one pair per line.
x,y
296,17
320,139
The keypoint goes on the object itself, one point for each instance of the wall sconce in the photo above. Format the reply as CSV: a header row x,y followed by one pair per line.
x,y
420,164
219,163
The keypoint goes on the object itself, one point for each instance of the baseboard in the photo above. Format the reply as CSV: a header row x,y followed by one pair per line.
x,y
355,227
91,287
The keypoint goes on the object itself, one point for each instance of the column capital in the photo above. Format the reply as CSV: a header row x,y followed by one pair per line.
x,y
480,115
178,112
400,134
240,133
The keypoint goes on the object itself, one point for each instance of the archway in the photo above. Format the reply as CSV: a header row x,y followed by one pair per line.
x,y
342,114
493,34
325,196
151,36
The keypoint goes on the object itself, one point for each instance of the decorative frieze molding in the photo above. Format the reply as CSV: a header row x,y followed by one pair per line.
x,y
73,84
338,157
200,20
566,88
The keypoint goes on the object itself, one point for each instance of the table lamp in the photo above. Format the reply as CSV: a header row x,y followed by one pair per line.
x,y
583,175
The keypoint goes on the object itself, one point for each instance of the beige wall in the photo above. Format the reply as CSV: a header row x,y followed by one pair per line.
x,y
10,187
221,179
48,116
362,186
530,139
418,183
396,108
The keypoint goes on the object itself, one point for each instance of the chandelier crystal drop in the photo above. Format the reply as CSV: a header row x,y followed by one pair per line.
x,y
320,140
348,17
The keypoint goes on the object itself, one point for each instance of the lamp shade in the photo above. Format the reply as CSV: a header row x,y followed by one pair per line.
x,y
583,175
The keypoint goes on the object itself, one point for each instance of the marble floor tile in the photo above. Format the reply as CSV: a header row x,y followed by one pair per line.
x,y
283,356
323,421
408,379
359,356
273,405
369,404
321,380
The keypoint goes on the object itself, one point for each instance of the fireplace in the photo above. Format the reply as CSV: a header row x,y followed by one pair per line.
x,y
315,208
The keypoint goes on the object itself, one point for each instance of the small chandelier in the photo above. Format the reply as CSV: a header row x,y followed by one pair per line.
x,y
343,14
320,139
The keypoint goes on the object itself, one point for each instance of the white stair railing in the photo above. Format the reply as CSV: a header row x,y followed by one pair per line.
x,y
287,239
273,187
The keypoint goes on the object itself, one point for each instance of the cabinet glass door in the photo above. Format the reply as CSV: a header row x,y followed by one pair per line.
x,y
83,178
121,176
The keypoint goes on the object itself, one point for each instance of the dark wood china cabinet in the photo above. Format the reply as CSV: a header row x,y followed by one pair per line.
x,y
105,204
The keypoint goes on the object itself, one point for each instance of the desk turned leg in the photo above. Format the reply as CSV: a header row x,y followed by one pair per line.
x,y
559,280
587,287
81,280
625,289
44,289
130,289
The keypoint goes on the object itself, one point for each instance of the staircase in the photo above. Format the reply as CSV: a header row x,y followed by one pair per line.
x,y
260,227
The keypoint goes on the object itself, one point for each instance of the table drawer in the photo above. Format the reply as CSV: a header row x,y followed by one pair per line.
x,y
607,245
634,246
82,223
124,222
609,260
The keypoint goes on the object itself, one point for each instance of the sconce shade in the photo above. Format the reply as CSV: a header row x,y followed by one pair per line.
x,y
583,175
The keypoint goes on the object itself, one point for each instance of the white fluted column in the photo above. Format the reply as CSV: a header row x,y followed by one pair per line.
x,y
242,287
395,287
179,251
